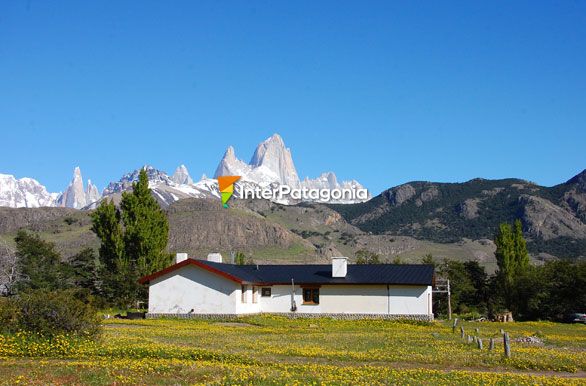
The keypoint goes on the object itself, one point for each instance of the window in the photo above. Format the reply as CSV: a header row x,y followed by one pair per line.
x,y
243,289
266,292
311,295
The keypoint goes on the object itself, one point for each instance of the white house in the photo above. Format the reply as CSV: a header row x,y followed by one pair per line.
x,y
199,287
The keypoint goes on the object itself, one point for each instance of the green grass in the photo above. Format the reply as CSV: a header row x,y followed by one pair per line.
x,y
296,252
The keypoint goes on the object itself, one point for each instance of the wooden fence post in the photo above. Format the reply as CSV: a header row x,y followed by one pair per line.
x,y
507,344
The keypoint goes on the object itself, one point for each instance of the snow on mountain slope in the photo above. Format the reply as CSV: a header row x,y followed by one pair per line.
x,y
275,157
164,188
29,193
24,193
272,164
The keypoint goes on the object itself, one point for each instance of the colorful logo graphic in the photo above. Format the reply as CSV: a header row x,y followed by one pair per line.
x,y
226,184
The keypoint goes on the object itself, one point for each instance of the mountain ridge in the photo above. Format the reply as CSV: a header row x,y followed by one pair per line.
x,y
271,165
554,218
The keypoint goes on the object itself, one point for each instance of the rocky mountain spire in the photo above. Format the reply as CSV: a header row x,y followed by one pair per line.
x,y
181,176
91,193
231,166
273,155
75,196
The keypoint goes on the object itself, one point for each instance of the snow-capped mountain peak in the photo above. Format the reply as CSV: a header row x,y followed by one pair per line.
x,y
75,196
231,166
181,176
92,194
273,155
155,177
271,165
24,193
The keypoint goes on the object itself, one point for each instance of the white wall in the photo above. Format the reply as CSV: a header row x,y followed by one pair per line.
x,y
354,299
280,300
207,293
410,300
248,306
194,288
359,299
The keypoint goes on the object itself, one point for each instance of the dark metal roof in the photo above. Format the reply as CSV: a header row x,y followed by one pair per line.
x,y
407,274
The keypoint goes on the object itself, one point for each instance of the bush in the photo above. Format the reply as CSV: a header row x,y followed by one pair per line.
x,y
50,314
9,314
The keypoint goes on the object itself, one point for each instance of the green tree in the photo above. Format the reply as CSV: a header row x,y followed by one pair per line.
x,y
38,263
476,274
520,246
513,262
505,254
428,259
240,258
133,242
106,225
146,228
85,270
364,256
397,260
461,286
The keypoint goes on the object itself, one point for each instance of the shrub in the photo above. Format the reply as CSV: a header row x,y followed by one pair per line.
x,y
50,314
9,314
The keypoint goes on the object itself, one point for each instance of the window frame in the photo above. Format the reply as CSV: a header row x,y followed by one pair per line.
x,y
263,291
312,291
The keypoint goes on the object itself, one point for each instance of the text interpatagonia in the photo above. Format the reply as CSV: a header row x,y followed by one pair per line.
x,y
303,194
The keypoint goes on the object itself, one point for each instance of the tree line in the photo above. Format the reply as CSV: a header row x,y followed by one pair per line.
x,y
530,292
133,242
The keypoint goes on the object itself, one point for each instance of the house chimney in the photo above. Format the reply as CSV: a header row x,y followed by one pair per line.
x,y
215,257
339,266
179,257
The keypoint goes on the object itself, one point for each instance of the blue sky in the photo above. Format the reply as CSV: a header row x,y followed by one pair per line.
x,y
383,92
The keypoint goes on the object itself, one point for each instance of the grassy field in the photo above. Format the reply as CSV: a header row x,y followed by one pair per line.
x,y
274,350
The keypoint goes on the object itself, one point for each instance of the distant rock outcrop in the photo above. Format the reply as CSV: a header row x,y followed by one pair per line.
x,y
75,196
181,176
92,194
274,156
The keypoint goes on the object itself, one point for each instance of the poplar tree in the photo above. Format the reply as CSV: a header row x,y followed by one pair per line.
x,y
512,259
521,254
505,254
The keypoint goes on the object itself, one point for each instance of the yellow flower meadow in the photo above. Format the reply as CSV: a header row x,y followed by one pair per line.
x,y
272,350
